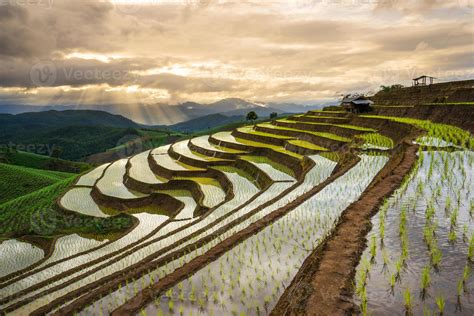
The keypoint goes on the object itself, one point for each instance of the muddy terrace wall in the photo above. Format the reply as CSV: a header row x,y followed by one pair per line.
x,y
166,202
293,163
194,162
212,153
224,182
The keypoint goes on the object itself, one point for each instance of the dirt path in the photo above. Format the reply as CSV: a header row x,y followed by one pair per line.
x,y
323,285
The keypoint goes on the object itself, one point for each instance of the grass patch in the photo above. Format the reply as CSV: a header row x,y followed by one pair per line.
x,y
269,146
330,155
320,134
250,130
348,126
18,181
36,214
446,132
377,140
305,144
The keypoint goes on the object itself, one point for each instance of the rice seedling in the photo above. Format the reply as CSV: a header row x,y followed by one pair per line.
x,y
466,274
425,279
426,311
373,248
407,298
460,288
392,280
436,256
452,236
440,302
470,251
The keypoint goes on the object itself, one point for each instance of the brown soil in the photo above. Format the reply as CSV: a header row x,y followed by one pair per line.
x,y
147,295
323,285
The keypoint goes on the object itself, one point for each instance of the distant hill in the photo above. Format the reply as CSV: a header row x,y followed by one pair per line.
x,y
63,118
162,114
205,123
70,135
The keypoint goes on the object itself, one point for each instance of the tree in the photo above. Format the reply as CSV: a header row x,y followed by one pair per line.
x,y
252,116
390,88
273,115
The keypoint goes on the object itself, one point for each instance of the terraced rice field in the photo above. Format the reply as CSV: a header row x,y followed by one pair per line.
x,y
228,224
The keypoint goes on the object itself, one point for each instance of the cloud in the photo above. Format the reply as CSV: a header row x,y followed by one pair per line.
x,y
98,52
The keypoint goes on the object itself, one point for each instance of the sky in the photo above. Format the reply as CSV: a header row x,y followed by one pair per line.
x,y
56,52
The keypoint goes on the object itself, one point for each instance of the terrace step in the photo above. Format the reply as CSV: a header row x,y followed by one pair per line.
x,y
329,113
321,139
181,152
302,147
323,119
203,146
164,165
112,192
307,123
278,154
254,135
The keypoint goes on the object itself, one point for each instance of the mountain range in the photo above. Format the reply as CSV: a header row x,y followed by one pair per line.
x,y
161,114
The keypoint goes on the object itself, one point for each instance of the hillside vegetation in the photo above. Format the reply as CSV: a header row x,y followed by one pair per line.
x,y
37,214
18,181
31,160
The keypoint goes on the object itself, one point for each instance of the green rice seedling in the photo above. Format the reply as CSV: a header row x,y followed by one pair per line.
x,y
460,288
454,216
382,230
436,257
464,232
386,259
440,302
398,268
466,274
171,305
363,308
425,280
393,280
426,311
452,235
407,300
373,248
470,251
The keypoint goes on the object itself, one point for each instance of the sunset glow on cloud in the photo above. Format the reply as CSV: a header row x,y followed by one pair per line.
x,y
151,51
